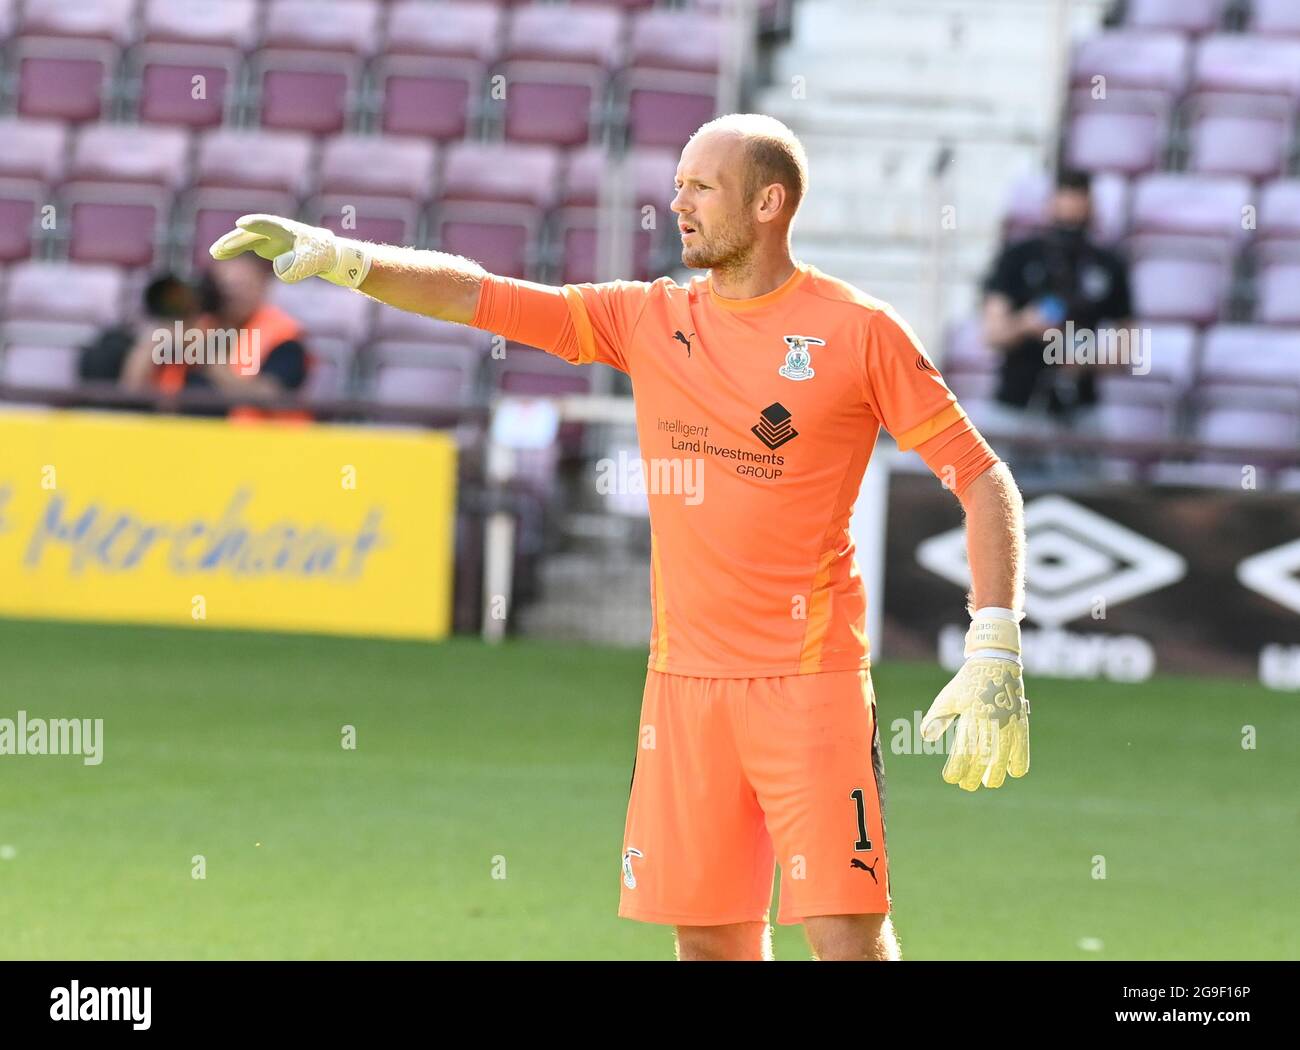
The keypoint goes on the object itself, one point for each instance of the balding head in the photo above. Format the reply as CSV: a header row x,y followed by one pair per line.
x,y
739,183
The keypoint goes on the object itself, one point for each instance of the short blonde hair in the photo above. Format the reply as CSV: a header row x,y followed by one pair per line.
x,y
774,152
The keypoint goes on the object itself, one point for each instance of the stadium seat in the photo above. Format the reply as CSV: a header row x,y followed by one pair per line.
x,y
577,237
384,220
20,200
1130,421
123,224
100,19
209,213
665,109
430,97
154,156
582,35
34,149
1247,427
1275,17
347,26
1279,211
652,172
1206,209
1133,59
1277,291
49,367
481,171
437,375
1129,143
254,159
323,312
227,23
63,79
1267,68
400,326
1249,354
63,292
468,30
162,89
552,103
1231,144
377,166
503,238
1179,289
679,40
329,373
1170,364
1187,16
311,91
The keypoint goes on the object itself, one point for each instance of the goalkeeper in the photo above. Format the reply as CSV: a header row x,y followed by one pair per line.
x,y
759,741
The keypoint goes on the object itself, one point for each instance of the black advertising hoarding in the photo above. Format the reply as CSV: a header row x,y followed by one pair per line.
x,y
1120,583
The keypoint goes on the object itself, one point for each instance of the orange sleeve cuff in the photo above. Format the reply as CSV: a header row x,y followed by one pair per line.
x,y
523,312
958,454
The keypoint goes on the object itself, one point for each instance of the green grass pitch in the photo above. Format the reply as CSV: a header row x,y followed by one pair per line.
x,y
228,745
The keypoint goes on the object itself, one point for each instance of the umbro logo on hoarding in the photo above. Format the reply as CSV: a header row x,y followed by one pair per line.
x,y
1075,559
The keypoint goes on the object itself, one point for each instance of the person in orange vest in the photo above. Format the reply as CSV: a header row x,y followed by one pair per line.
x,y
279,361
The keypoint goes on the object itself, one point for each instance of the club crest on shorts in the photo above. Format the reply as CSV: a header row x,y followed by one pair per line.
x,y
798,361
629,879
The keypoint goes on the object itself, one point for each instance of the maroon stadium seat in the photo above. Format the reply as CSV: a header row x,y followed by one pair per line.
x,y
1129,143
1279,210
665,109
577,232
164,83
211,212
33,149
63,292
330,367
101,19
1189,16
502,237
552,103
1250,354
1277,291
123,153
1281,17
1133,421
49,367
384,220
228,23
434,98
63,79
305,90
1238,63
469,30
349,26
590,36
479,171
680,40
118,223
1205,207
323,313
377,166
1133,59
1247,427
1231,144
254,159
20,200
652,172
1170,368
1179,289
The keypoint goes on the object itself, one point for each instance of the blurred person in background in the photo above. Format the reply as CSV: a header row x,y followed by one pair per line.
x,y
120,353
1036,290
231,296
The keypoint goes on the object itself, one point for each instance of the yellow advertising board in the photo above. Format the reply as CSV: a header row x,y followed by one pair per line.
x,y
131,518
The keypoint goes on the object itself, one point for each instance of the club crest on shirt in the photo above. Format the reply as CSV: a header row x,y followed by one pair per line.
x,y
798,361
629,879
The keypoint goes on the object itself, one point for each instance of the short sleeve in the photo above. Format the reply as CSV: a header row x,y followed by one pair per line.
x,y
901,385
604,318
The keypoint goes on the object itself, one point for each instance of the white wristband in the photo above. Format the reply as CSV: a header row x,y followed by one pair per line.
x,y
352,266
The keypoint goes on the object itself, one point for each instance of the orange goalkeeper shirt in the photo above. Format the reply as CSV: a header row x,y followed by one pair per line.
x,y
756,419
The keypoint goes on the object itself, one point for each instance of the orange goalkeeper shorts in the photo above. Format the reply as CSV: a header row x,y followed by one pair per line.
x,y
732,776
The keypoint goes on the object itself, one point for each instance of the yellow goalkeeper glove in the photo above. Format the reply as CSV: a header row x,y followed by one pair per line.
x,y
987,697
296,251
